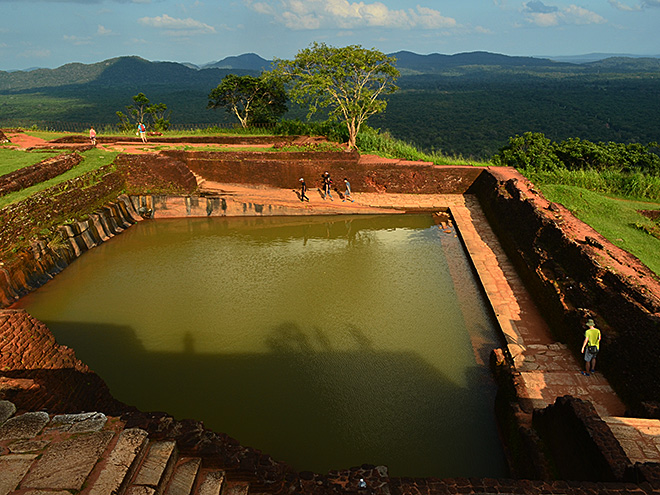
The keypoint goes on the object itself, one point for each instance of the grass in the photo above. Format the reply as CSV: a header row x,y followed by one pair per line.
x,y
92,160
48,135
615,219
12,160
609,182
382,144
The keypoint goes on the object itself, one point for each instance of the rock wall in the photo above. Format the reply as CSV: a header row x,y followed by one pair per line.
x,y
20,222
583,446
41,235
37,373
574,274
33,267
154,173
284,169
39,172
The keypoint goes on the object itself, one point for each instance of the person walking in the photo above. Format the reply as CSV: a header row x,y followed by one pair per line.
x,y
303,190
92,136
590,347
142,130
347,194
327,185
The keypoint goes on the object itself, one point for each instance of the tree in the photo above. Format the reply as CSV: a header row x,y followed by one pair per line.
x,y
531,150
140,109
254,100
347,81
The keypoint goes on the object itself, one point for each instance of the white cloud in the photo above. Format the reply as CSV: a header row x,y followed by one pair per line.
x,y
624,7
103,31
77,40
317,14
547,15
644,4
45,53
177,27
579,15
538,7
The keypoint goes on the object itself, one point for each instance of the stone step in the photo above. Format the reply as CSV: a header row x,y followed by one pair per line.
x,y
200,180
157,466
184,476
66,465
235,488
211,483
121,463
13,468
24,426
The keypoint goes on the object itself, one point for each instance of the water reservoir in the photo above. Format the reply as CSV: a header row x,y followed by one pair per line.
x,y
327,342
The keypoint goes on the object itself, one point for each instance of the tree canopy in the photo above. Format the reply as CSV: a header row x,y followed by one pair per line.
x,y
347,81
140,109
254,100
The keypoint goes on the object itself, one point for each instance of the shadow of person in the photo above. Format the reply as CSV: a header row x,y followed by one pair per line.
x,y
188,343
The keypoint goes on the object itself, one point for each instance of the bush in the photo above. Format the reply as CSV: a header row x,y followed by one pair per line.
x,y
332,130
531,150
631,170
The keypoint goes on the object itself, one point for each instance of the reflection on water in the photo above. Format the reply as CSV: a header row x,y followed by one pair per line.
x,y
327,342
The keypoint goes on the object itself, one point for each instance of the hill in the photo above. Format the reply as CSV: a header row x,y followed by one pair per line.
x,y
412,63
247,61
467,104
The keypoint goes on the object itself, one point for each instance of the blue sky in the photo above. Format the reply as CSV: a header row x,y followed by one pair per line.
x,y
50,33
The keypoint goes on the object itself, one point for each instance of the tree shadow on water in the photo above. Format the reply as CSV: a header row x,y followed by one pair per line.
x,y
305,402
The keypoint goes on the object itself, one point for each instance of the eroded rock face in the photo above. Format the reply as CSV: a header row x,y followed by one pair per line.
x,y
33,267
37,373
575,273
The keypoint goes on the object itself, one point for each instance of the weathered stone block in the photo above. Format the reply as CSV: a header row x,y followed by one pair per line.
x,y
26,425
66,465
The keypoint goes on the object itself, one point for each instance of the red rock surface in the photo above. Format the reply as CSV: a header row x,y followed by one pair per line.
x,y
38,373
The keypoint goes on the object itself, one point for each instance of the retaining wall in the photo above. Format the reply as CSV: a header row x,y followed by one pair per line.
x,y
283,170
41,235
39,172
573,276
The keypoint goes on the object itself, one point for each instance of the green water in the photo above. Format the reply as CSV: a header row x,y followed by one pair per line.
x,y
326,342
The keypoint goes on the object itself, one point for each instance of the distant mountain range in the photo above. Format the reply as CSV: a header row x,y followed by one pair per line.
x,y
594,57
123,71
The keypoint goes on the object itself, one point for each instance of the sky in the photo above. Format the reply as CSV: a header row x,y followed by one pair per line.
x,y
51,33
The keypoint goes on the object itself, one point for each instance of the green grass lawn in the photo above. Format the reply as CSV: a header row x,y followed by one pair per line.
x,y
92,160
11,160
615,219
49,135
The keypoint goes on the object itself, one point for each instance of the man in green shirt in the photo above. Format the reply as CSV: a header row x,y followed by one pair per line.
x,y
590,347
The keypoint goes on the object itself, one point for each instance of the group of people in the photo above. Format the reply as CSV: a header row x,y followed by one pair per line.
x,y
141,131
326,189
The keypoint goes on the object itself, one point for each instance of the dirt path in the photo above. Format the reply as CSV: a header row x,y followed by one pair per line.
x,y
21,140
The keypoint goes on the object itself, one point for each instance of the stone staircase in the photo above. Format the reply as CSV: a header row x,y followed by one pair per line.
x,y
200,180
92,454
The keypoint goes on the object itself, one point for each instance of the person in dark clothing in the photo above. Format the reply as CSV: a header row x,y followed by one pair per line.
x,y
303,190
327,185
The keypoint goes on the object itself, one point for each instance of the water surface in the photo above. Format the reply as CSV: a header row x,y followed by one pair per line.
x,y
326,342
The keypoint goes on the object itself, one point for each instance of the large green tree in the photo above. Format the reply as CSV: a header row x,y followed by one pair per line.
x,y
347,81
254,100
140,110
